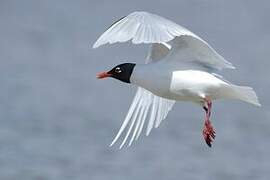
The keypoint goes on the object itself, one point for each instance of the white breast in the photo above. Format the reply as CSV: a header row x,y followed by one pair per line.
x,y
154,77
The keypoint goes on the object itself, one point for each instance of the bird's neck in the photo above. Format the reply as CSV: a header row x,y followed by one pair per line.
x,y
152,77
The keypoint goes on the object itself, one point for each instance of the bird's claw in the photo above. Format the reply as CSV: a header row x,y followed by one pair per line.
x,y
208,133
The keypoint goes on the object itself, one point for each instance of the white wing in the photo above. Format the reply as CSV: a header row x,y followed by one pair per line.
x,y
189,49
145,104
158,51
142,27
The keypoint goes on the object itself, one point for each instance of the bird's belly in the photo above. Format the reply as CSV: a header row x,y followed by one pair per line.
x,y
194,85
179,94
188,85
182,85
175,89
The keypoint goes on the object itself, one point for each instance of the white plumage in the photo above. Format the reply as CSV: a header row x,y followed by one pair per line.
x,y
179,66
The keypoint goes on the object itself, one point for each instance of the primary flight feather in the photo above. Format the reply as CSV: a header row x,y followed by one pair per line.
x,y
179,67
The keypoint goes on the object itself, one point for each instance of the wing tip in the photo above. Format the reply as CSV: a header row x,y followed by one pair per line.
x,y
96,44
142,114
148,132
227,66
112,143
230,65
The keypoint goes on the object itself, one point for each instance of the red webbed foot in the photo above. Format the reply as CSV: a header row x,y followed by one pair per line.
x,y
208,133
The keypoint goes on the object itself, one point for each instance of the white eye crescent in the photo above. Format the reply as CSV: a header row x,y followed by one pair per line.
x,y
118,70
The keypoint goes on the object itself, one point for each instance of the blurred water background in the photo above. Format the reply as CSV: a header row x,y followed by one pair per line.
x,y
57,120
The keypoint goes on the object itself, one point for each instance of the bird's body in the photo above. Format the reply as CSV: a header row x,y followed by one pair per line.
x,y
167,81
180,66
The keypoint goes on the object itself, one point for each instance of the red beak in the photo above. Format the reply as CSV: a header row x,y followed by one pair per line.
x,y
103,75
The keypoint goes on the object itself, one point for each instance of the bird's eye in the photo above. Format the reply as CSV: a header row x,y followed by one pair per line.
x,y
118,70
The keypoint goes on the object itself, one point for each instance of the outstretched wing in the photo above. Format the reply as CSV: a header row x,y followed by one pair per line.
x,y
145,105
189,49
142,27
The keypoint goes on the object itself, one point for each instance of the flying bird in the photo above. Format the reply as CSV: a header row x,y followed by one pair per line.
x,y
180,66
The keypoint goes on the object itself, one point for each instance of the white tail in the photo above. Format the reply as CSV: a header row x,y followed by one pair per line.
x,y
244,93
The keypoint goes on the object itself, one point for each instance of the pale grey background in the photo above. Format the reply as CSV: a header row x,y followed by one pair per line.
x,y
56,119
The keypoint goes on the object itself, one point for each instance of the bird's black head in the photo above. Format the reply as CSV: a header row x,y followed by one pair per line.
x,y
121,72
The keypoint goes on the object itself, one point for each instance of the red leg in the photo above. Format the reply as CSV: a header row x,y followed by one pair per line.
x,y
208,130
